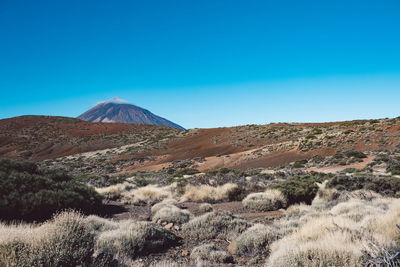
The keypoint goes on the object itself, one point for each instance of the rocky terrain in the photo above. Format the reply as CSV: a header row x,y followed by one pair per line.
x,y
242,147
257,195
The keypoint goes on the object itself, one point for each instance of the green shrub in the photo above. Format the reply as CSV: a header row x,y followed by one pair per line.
x,y
31,194
299,163
299,189
355,154
393,168
384,185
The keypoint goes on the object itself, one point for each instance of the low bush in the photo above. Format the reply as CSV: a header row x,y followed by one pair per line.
x,y
299,189
64,241
149,194
205,207
299,163
172,214
165,203
355,154
255,241
28,193
265,201
384,185
393,168
207,193
325,195
210,253
215,225
114,192
133,239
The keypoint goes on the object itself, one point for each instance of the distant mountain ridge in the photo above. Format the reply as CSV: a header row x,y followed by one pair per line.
x,y
121,111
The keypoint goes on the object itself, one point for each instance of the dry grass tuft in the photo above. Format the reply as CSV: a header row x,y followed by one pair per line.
x,y
149,194
114,192
325,195
134,239
265,201
215,225
205,207
210,253
172,214
66,240
255,241
165,203
350,233
206,193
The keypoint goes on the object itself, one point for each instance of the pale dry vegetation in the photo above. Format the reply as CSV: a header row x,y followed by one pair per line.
x,y
210,253
207,193
70,239
172,214
215,225
349,233
265,201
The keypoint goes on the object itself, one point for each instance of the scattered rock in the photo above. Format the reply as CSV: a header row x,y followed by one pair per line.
x,y
169,226
231,247
185,253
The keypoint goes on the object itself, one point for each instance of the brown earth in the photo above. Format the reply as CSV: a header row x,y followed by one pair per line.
x,y
44,137
251,146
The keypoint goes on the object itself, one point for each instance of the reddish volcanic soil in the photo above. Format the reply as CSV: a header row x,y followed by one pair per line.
x,y
44,137
243,147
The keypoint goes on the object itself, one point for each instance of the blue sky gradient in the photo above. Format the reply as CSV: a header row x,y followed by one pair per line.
x,y
203,63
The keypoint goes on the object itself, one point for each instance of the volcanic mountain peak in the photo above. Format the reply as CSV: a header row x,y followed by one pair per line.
x,y
121,111
116,100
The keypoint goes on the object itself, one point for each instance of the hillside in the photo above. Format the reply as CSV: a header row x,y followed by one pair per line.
x,y
243,147
45,137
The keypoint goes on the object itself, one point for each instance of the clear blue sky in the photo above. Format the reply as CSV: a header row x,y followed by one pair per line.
x,y
205,63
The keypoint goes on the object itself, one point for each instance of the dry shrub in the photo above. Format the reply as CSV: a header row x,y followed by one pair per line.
x,y
266,201
134,239
205,207
114,192
298,210
98,224
320,242
210,253
255,241
172,214
215,225
362,194
206,193
356,209
149,194
348,234
165,203
66,240
385,224
325,195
